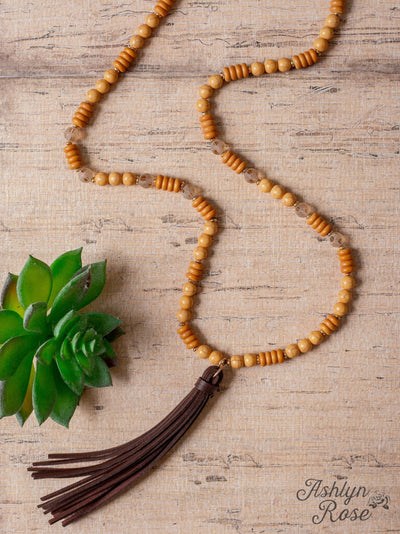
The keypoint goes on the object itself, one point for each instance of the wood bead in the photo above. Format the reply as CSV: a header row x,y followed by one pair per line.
x,y
284,64
277,192
237,362
203,105
304,345
233,161
235,72
208,126
326,33
344,296
93,96
271,358
292,350
200,253
183,316
250,360
205,209
340,309
305,59
206,91
186,302
319,224
102,86
111,76
332,21
257,68
128,178
329,324
144,31
152,20
346,260
168,184
195,271
189,289
188,336
316,337
124,60
137,42
321,44
289,199
101,178
215,357
115,178
265,185
215,81
162,7
83,114
270,66
210,228
337,6
204,240
73,156
203,351
348,282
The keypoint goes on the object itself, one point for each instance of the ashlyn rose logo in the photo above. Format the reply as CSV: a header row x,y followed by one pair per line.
x,y
342,502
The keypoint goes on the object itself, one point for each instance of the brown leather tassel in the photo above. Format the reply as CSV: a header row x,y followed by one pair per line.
x,y
121,466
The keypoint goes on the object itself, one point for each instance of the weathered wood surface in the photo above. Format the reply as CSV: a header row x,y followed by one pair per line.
x,y
329,133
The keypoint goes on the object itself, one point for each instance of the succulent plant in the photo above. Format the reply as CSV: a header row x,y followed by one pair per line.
x,y
49,351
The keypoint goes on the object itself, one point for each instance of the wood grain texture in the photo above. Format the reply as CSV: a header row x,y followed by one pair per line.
x,y
330,134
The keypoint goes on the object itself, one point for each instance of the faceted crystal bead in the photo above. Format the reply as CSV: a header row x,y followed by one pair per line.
x,y
218,146
252,176
146,180
191,191
337,240
303,209
85,174
73,134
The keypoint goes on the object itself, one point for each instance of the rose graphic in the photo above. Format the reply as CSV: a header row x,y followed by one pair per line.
x,y
379,498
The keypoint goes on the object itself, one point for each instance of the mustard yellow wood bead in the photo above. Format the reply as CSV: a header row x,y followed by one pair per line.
x,y
205,240
289,199
200,253
326,33
284,64
215,357
292,350
210,228
257,68
183,315
189,289
102,86
347,282
304,345
93,96
271,66
186,302
316,337
136,42
144,31
152,20
321,44
111,76
265,185
215,81
237,362
203,105
277,192
206,91
115,178
128,178
101,178
203,351
332,21
344,296
250,360
340,309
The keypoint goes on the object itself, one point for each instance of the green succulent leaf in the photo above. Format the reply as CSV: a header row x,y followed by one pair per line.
x,y
72,374
97,282
100,376
66,400
44,392
109,356
66,351
63,269
71,296
27,407
34,283
13,352
10,325
35,318
9,298
47,352
13,391
96,346
76,341
115,334
65,324
86,362
102,322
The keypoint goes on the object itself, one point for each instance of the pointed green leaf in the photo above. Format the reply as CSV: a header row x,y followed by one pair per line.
x,y
86,363
109,357
98,279
13,352
35,318
10,325
34,283
102,322
47,352
27,406
72,374
75,341
9,298
66,351
70,297
66,400
63,269
44,392
13,390
100,376
65,324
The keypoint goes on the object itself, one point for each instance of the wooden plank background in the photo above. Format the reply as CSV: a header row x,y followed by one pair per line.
x,y
330,134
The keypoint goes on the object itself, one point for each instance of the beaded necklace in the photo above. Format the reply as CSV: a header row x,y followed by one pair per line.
x,y
121,466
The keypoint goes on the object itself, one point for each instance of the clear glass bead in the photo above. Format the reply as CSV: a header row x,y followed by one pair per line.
x,y
337,240
85,174
303,209
146,180
191,191
218,146
252,176
73,134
